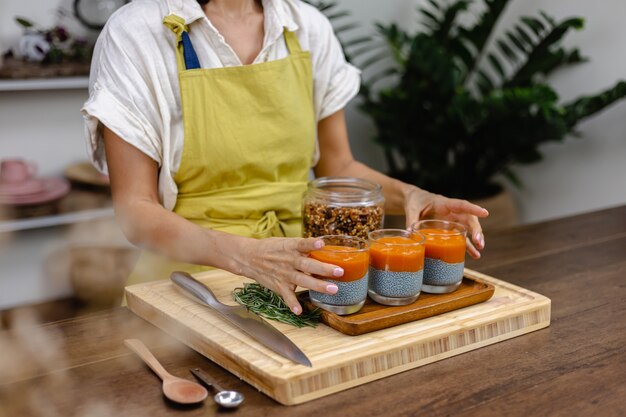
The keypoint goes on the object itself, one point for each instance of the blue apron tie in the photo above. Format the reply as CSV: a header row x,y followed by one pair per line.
x,y
191,58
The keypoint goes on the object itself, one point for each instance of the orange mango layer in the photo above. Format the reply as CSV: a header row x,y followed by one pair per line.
x,y
354,262
444,245
400,254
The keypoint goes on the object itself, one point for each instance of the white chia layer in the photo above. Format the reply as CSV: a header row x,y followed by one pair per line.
x,y
350,293
395,284
438,272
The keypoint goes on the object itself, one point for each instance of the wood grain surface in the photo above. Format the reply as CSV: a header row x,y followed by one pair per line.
x,y
339,361
374,316
574,367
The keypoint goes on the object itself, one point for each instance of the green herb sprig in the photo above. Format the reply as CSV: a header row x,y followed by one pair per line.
x,y
266,303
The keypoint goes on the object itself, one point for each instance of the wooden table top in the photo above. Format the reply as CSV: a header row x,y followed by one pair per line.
x,y
575,367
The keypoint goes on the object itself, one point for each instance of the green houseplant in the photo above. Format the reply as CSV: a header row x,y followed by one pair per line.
x,y
455,112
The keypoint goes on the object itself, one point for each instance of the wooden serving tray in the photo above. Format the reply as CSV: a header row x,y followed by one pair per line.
x,y
339,361
374,316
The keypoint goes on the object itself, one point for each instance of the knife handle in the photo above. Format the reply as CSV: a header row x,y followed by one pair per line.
x,y
196,289
204,377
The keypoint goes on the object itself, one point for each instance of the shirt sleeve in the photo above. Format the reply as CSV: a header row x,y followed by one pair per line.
x,y
121,95
337,81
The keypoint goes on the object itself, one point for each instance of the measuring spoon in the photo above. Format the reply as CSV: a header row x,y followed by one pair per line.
x,y
224,398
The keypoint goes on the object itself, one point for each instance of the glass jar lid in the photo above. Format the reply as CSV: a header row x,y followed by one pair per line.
x,y
347,190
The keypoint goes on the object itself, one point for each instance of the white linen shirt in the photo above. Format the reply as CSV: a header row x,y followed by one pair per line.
x,y
133,85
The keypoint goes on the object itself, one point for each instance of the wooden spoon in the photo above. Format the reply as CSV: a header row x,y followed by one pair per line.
x,y
177,389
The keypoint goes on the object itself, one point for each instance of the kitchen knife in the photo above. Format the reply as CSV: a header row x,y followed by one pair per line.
x,y
249,322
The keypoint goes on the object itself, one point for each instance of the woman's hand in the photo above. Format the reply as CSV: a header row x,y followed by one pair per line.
x,y
282,264
420,204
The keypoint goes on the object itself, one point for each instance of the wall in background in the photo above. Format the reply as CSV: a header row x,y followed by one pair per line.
x,y
43,126
579,175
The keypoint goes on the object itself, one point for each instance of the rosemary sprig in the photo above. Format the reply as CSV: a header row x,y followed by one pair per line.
x,y
266,303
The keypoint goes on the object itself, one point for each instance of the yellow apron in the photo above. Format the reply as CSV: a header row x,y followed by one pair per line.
x,y
249,141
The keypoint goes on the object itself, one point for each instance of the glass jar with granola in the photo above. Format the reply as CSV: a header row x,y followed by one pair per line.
x,y
342,206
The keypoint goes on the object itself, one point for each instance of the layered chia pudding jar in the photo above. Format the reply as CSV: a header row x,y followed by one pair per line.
x,y
352,254
396,266
342,206
444,259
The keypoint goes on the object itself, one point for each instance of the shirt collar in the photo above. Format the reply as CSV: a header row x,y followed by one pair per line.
x,y
188,10
275,10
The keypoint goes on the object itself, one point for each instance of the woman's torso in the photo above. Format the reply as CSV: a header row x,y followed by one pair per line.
x,y
154,64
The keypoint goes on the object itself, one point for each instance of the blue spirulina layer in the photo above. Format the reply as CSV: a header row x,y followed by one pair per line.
x,y
438,272
350,293
395,284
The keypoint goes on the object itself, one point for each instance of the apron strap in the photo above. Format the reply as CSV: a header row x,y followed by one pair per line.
x,y
185,53
292,42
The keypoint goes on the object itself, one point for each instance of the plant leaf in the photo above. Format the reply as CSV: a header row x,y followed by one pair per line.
x,y
479,33
24,22
397,41
435,5
446,23
323,7
533,24
430,16
374,59
346,28
459,49
586,106
547,18
507,51
338,15
524,37
366,49
356,41
543,58
516,41
381,75
483,82
495,63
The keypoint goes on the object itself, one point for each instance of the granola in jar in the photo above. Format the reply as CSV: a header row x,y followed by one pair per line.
x,y
342,206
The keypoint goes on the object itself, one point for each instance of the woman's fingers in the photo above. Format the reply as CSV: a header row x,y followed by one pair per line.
x,y
282,264
475,232
286,290
311,266
315,284
305,281
455,205
468,214
471,249
307,245
475,238
289,296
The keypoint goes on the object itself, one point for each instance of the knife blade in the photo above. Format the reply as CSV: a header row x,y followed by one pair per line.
x,y
250,323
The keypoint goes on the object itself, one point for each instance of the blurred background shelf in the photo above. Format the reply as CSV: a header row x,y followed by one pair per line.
x,y
80,205
38,84
55,220
55,251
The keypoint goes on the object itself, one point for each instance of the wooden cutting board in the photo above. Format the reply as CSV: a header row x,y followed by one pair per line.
x,y
339,361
